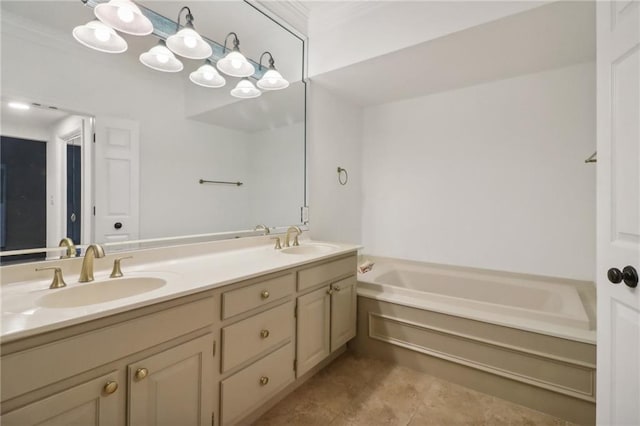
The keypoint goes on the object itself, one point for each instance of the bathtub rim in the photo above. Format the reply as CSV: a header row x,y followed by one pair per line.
x,y
532,325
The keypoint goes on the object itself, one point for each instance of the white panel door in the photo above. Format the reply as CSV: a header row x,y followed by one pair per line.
x,y
117,180
618,52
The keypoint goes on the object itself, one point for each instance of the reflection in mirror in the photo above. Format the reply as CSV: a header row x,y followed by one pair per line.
x,y
156,134
46,168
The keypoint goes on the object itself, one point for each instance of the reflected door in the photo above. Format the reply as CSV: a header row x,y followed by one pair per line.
x,y
74,192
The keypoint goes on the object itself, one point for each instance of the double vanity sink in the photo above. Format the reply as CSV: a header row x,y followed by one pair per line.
x,y
234,325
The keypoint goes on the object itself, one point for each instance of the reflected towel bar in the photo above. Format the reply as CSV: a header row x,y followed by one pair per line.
x,y
220,182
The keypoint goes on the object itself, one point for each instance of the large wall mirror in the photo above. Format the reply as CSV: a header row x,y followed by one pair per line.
x,y
157,135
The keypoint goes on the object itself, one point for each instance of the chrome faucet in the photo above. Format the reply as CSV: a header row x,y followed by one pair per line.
x,y
86,272
295,238
262,227
71,248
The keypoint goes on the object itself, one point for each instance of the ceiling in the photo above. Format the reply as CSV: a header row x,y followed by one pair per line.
x,y
551,36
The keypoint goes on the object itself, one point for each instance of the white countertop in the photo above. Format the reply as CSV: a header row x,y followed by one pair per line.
x,y
22,316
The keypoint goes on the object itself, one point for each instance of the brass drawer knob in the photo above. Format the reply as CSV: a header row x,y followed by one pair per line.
x,y
264,294
264,334
110,387
264,380
141,373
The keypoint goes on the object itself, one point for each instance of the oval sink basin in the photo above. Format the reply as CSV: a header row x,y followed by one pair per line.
x,y
309,249
100,292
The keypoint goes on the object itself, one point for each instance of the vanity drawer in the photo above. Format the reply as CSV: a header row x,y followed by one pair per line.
x,y
250,387
244,299
316,275
254,335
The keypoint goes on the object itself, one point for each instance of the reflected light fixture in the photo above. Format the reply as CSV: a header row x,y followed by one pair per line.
x,y
187,42
272,79
19,105
245,90
235,64
125,16
160,58
99,36
207,76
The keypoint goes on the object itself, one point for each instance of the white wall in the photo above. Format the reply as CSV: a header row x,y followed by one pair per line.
x,y
276,190
334,139
490,176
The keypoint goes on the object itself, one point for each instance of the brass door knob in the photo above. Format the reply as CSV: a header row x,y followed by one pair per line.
x,y
264,380
110,387
141,373
264,334
264,294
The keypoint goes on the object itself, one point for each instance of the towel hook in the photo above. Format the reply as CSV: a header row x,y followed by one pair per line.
x,y
343,178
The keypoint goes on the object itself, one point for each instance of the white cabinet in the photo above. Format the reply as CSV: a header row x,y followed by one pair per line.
x,y
168,388
91,403
343,311
160,363
314,322
327,315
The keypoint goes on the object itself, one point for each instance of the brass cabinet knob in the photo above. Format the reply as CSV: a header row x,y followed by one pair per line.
x,y
336,287
264,294
110,387
330,291
141,373
264,380
264,334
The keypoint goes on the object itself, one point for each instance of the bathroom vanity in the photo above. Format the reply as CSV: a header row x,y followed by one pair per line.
x,y
194,352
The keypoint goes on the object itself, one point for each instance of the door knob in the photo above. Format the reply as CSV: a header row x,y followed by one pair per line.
x,y
628,274
117,225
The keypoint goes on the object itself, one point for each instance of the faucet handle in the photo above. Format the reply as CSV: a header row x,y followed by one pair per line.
x,y
116,272
58,280
278,246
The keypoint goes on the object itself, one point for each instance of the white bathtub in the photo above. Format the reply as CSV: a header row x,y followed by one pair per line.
x,y
533,303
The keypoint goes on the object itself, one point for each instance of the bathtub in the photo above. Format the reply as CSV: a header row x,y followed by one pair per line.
x,y
540,304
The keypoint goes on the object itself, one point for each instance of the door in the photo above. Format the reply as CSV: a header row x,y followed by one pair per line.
x,y
174,387
618,227
313,337
92,403
117,180
74,191
343,312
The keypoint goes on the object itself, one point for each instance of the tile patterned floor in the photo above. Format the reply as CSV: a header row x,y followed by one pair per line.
x,y
362,391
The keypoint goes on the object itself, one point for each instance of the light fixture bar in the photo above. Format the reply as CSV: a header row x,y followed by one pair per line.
x,y
164,27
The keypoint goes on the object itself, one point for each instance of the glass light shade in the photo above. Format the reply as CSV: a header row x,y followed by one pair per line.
x,y
125,16
188,43
99,36
160,58
245,90
235,65
207,76
272,80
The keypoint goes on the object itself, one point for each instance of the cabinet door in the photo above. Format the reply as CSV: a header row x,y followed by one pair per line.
x,y
174,387
313,338
343,312
90,403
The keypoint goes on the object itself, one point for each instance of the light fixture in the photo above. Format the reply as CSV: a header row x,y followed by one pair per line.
x,y
272,79
160,58
125,16
99,36
245,90
235,64
207,76
18,105
187,42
